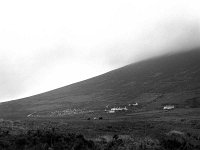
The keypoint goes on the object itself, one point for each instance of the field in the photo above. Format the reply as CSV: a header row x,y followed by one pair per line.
x,y
123,130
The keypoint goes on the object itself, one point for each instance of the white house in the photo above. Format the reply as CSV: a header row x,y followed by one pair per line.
x,y
168,107
125,108
111,111
118,109
136,104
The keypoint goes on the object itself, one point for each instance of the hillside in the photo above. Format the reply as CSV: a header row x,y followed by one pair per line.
x,y
153,83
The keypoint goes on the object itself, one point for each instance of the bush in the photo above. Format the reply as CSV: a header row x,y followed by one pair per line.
x,y
44,140
54,140
4,144
180,142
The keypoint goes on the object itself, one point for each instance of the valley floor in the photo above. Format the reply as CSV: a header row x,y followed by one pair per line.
x,y
179,125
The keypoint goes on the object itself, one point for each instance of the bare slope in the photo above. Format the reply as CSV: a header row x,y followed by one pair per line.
x,y
171,79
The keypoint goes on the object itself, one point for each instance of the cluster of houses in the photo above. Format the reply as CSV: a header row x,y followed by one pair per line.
x,y
115,109
83,111
118,109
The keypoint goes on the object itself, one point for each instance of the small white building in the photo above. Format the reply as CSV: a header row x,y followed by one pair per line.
x,y
111,111
136,104
168,107
119,109
125,109
114,109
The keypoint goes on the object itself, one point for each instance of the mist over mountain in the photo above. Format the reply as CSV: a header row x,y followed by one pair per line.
x,y
39,53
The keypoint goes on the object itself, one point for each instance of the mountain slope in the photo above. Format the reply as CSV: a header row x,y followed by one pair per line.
x,y
170,79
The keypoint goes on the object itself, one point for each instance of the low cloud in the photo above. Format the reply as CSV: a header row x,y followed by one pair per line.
x,y
82,39
166,37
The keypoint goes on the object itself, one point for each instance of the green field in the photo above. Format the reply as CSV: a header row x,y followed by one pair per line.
x,y
131,129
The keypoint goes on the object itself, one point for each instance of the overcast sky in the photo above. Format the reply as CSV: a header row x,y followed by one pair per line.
x,y
47,44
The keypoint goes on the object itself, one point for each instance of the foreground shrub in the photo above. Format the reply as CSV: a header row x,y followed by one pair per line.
x,y
180,141
56,140
46,140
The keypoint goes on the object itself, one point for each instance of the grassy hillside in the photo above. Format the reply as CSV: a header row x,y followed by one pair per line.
x,y
170,79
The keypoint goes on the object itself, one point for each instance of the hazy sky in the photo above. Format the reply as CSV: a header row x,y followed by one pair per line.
x,y
47,44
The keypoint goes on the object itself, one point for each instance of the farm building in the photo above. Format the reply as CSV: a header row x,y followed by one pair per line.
x,y
136,104
114,109
118,109
111,111
168,107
